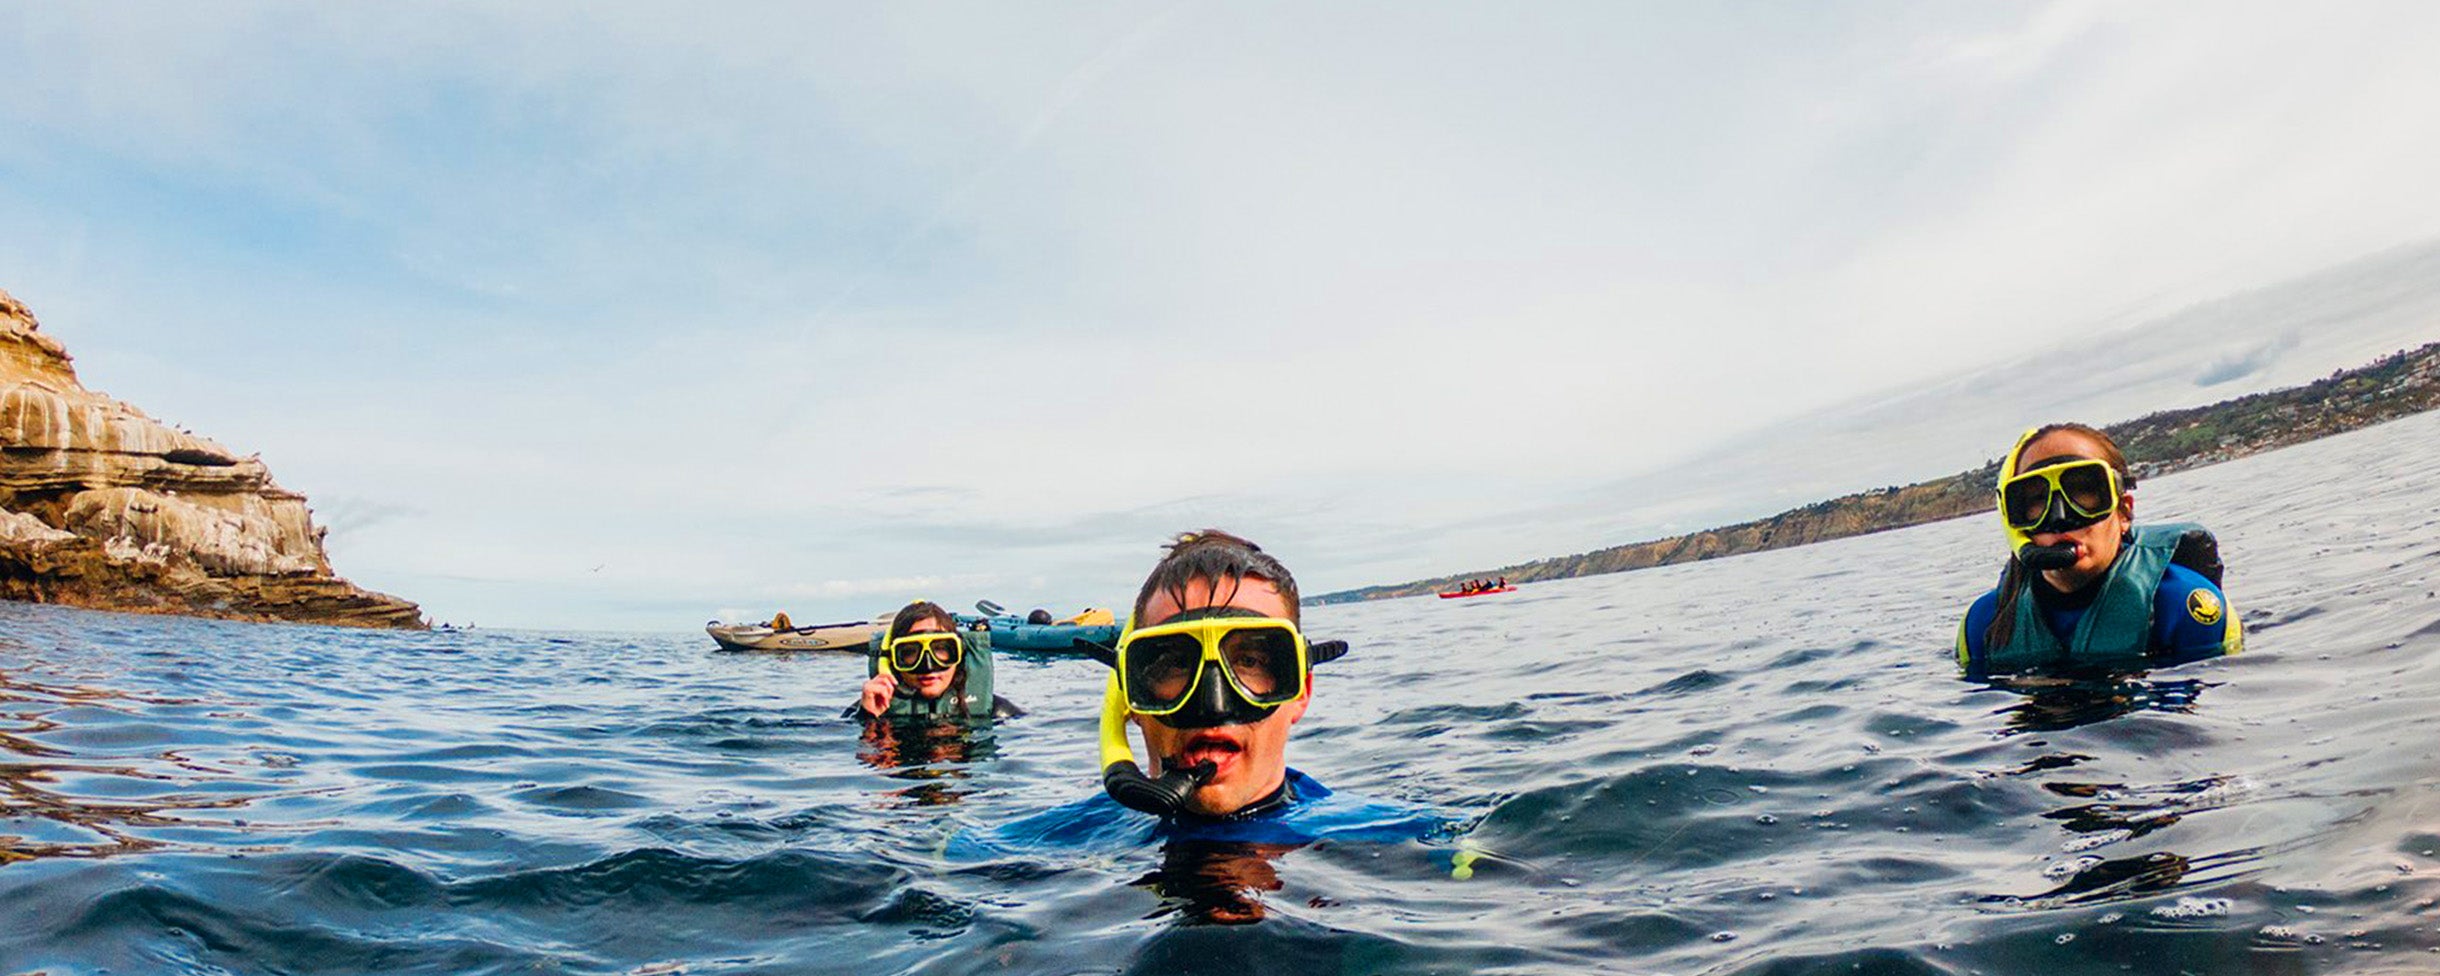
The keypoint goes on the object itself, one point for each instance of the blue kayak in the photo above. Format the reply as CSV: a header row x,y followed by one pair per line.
x,y
1011,633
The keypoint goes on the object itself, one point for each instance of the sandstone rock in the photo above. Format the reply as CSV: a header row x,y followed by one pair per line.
x,y
102,506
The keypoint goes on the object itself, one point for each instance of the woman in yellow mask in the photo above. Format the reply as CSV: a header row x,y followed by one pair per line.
x,y
2084,587
925,668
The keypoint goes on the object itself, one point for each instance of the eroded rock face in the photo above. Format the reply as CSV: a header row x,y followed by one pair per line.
x,y
104,507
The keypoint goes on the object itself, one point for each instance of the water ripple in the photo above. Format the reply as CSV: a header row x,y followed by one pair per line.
x,y
1760,765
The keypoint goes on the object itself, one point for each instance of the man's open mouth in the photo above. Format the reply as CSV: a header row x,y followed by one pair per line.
x,y
1212,746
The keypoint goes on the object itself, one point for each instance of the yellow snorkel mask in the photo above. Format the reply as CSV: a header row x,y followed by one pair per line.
x,y
2061,495
1200,669
922,653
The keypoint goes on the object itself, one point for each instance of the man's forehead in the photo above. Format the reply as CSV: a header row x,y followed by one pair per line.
x,y
1250,592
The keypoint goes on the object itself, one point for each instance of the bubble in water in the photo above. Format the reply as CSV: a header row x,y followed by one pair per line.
x,y
1766,820
2064,869
2065,938
2191,907
2112,918
1724,937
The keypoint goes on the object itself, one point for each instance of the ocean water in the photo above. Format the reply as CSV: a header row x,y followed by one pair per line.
x,y
1757,765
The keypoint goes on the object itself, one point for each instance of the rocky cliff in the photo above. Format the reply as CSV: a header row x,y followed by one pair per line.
x,y
104,507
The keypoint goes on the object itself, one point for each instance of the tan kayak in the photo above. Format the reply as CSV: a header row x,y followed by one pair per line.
x,y
849,636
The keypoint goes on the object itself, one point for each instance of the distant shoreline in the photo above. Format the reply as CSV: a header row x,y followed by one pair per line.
x,y
2397,385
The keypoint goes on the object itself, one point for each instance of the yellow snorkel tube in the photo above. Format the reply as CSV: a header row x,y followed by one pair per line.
x,y
2020,541
1114,747
1161,796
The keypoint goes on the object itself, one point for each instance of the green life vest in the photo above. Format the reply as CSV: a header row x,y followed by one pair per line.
x,y
973,707
2116,633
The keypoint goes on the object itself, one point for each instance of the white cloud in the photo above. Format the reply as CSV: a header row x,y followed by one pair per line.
x,y
733,300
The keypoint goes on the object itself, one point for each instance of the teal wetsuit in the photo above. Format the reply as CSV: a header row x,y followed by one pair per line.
x,y
2147,612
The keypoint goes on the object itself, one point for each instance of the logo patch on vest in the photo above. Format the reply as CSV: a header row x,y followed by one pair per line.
x,y
2203,607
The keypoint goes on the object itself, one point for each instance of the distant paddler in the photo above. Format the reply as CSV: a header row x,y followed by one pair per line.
x,y
925,669
2085,589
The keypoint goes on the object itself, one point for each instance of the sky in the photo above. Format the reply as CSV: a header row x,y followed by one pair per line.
x,y
620,316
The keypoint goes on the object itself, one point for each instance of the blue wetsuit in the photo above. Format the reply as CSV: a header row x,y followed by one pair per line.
x,y
1308,812
2185,627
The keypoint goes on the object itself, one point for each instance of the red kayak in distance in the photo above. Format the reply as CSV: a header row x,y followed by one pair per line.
x,y
1466,593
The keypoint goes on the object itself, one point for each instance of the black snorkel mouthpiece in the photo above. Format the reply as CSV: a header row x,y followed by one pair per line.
x,y
1164,796
2046,558
2056,520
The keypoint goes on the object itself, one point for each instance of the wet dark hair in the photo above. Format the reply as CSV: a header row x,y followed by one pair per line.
x,y
2012,577
928,610
920,610
1224,559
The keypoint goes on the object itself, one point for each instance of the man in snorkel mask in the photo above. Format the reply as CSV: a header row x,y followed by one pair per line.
x,y
1214,673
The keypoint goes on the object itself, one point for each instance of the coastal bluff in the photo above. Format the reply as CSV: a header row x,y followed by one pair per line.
x,y
106,508
2397,385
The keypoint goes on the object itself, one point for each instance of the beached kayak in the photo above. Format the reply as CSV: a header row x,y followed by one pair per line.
x,y
1466,593
848,636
